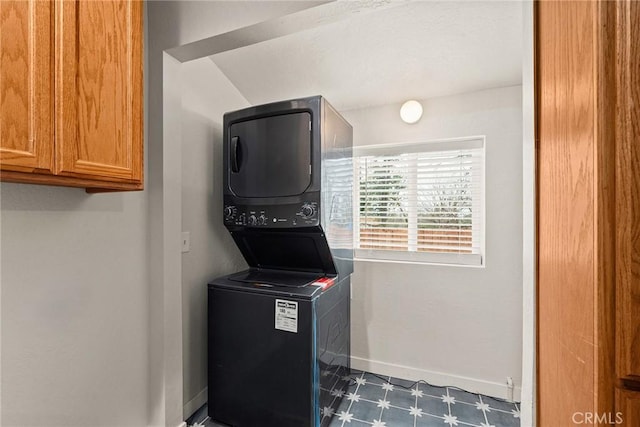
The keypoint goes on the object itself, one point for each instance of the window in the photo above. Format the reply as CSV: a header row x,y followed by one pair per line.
x,y
421,202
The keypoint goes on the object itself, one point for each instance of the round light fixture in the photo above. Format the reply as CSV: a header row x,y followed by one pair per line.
x,y
411,111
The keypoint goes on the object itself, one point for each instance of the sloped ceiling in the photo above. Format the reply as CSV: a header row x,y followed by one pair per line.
x,y
417,49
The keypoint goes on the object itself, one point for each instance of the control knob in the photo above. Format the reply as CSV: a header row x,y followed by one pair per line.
x,y
228,212
253,220
262,220
308,211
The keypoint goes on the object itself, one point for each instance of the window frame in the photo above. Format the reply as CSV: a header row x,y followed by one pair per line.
x,y
423,257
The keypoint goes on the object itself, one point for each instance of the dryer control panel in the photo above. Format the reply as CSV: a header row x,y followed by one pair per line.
x,y
304,214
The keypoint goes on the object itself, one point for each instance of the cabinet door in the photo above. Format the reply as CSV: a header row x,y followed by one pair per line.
x,y
628,192
99,90
628,407
26,137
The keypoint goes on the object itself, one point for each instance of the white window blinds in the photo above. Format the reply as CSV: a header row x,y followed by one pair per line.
x,y
421,202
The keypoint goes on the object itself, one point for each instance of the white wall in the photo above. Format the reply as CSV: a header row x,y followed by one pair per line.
x,y
74,307
455,325
206,95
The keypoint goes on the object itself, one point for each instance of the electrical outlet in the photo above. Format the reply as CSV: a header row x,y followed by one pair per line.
x,y
186,241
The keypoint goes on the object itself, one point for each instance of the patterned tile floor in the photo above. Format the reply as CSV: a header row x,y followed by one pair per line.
x,y
392,402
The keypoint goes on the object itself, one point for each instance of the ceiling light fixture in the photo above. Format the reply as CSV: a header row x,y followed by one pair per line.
x,y
411,111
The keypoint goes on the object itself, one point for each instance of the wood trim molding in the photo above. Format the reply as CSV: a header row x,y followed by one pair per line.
x,y
92,186
576,216
627,122
604,209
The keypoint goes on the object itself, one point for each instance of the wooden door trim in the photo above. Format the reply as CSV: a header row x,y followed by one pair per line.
x,y
628,195
603,180
605,212
536,233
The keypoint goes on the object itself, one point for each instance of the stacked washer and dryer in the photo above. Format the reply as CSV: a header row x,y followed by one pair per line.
x,y
279,338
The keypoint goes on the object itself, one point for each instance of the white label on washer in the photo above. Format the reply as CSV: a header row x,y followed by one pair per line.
x,y
287,315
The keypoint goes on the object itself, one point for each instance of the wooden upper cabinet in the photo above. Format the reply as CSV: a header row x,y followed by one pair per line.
x,y
99,89
71,93
26,70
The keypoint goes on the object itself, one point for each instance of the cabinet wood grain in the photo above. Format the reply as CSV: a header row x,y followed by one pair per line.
x,y
26,73
628,405
565,211
604,218
588,136
628,192
575,217
99,90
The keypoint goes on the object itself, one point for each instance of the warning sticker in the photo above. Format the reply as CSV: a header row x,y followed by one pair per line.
x,y
287,315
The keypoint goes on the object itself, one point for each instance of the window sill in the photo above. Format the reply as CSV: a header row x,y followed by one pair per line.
x,y
420,258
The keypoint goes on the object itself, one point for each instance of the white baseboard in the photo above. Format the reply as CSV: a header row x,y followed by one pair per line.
x,y
194,404
473,385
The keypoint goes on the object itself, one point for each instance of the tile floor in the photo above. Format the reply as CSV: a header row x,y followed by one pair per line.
x,y
392,402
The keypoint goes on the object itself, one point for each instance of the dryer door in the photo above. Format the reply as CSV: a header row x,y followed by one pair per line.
x,y
270,156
